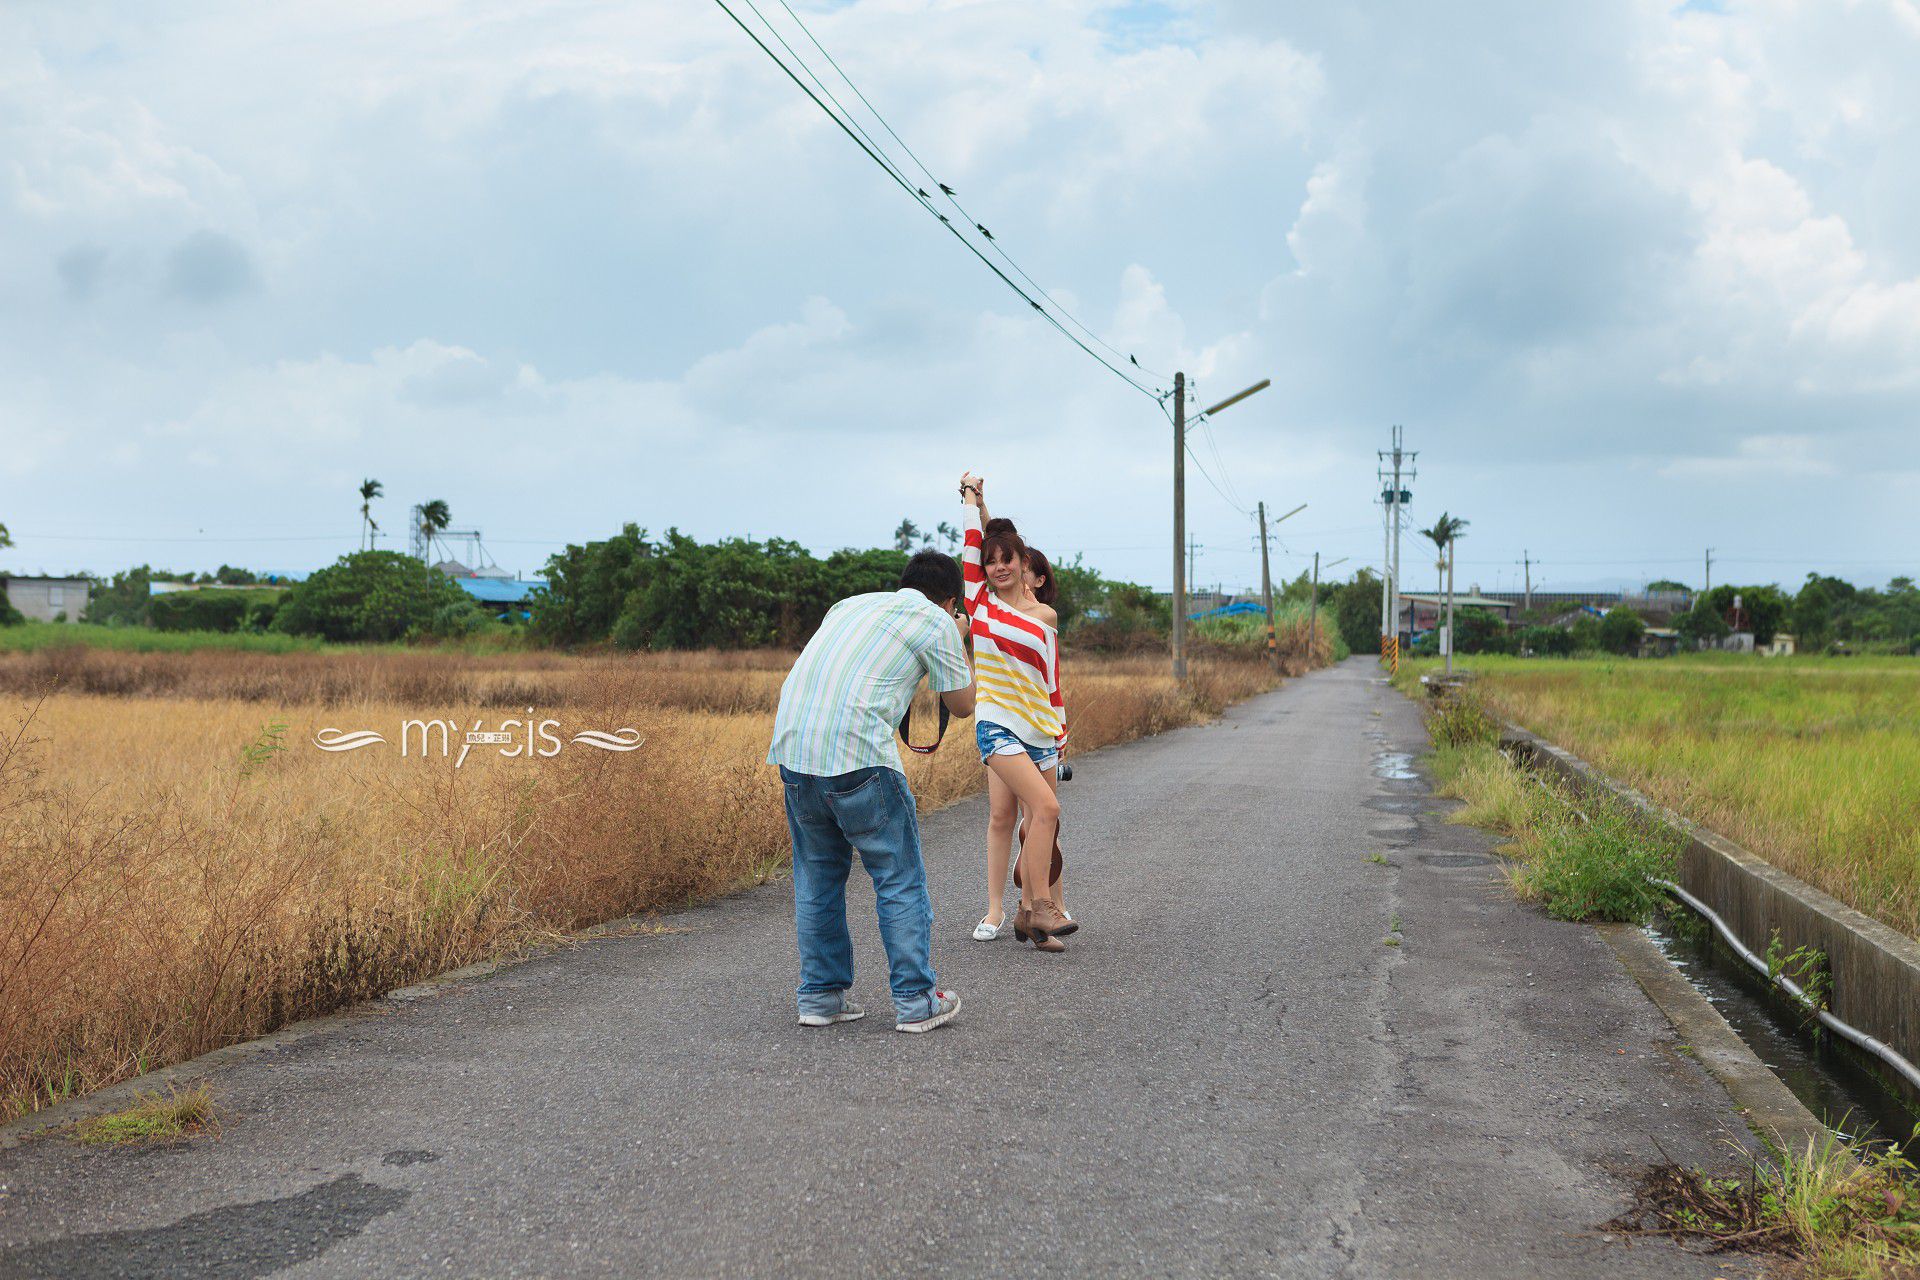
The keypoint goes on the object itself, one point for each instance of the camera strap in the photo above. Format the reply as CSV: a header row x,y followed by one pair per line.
x,y
906,729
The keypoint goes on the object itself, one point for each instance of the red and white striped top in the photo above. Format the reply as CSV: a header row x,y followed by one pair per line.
x,y
1016,658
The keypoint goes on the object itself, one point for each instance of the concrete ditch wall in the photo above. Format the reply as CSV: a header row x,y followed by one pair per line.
x,y
1875,969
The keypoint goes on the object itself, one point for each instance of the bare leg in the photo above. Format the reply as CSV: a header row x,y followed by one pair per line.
x,y
1002,813
1043,821
1059,886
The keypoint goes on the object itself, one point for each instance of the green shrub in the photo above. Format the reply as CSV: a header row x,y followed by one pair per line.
x,y
374,595
1457,720
1620,631
1598,869
211,610
1545,642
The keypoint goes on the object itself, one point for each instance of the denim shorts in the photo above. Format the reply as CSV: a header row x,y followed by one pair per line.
x,y
995,740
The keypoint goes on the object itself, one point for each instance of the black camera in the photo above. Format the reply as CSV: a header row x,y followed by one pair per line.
x,y
1065,773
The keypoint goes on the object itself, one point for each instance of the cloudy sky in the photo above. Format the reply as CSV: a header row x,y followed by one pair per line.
x,y
1637,279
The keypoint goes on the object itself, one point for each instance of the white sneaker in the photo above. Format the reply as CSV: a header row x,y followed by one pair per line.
x,y
945,1005
847,1012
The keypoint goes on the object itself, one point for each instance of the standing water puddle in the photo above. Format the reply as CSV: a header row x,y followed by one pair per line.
x,y
1845,1097
1394,766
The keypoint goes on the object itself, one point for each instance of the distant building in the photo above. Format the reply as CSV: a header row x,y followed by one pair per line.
x,y
1648,604
43,599
1420,614
1659,642
1781,646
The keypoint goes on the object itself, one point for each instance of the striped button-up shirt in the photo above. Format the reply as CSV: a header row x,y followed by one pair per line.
x,y
854,680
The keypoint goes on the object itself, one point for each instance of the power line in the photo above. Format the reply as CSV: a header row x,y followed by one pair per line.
x,y
925,202
948,193
1216,487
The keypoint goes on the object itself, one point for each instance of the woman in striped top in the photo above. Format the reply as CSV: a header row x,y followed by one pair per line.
x,y
1019,719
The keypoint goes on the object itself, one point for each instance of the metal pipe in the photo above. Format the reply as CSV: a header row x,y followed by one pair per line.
x,y
1878,1048
1852,1035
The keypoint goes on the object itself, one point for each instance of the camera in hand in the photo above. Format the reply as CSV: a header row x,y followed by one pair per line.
x,y
1065,772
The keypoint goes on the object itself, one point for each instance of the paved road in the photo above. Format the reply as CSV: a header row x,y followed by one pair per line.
x,y
1229,1073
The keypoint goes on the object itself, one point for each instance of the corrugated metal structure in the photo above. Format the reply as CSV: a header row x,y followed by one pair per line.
x,y
500,591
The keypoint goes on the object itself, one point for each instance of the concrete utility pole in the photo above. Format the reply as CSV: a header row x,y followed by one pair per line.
x,y
1395,496
1180,526
1453,553
1313,615
1266,580
1266,591
1527,561
1180,507
1313,610
1709,585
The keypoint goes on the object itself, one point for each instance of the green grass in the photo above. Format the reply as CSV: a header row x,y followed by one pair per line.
x,y
1580,860
154,1117
1812,763
1832,1212
29,637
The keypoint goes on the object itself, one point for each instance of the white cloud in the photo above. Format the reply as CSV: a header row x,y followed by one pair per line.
x,y
1755,457
589,263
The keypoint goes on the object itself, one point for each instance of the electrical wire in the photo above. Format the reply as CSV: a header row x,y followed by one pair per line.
x,y
951,198
926,204
1201,467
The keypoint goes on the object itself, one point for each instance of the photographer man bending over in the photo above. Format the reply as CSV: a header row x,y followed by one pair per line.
x,y
833,741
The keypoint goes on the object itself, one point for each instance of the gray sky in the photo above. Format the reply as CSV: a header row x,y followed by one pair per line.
x,y
1637,279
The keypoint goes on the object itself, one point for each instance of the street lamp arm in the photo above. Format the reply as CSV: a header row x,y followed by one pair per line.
x,y
1237,397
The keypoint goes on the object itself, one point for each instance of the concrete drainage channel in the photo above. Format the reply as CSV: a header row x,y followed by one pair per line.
x,y
1829,1083
1740,903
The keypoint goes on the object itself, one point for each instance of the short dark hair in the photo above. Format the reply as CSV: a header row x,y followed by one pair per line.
x,y
934,574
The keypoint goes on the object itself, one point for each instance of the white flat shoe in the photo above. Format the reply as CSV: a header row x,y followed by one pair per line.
x,y
984,932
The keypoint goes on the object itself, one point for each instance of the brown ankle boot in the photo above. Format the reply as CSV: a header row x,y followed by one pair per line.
x,y
1022,929
1048,944
1045,919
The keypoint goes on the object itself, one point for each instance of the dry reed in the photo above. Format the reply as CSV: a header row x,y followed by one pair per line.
x,y
183,867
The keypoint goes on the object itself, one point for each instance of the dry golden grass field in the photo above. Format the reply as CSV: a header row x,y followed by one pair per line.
x,y
182,867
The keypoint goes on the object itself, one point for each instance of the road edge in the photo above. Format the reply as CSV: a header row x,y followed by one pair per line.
x,y
1762,1098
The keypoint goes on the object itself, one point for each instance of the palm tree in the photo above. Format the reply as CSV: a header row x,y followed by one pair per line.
x,y
434,516
1444,531
903,536
6,539
949,535
1445,534
369,490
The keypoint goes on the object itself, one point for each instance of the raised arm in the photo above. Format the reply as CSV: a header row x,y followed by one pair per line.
x,y
973,493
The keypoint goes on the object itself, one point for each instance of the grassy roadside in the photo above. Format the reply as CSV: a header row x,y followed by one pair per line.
x,y
1580,861
1833,1211
1811,763
182,866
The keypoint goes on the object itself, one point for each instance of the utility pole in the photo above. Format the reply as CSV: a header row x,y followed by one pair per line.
x,y
1453,553
1180,506
1179,526
1266,591
1709,587
1313,611
1527,561
1394,497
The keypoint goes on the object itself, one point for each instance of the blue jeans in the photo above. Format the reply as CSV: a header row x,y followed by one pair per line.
x,y
870,810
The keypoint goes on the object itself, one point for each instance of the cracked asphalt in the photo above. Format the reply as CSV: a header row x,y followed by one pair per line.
x,y
1230,1072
